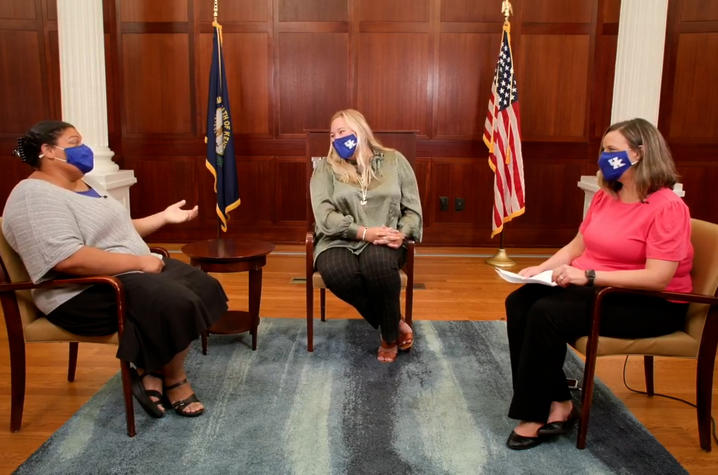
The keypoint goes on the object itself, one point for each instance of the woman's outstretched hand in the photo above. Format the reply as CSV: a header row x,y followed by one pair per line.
x,y
175,214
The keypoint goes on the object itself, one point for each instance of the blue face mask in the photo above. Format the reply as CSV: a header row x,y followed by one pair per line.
x,y
81,157
346,146
614,164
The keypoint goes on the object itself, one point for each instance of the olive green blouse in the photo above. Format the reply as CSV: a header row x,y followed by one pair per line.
x,y
392,200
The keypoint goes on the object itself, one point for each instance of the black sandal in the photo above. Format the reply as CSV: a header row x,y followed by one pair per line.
x,y
179,406
143,395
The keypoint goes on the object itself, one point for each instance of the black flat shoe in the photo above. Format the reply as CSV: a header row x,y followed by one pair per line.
x,y
519,442
560,427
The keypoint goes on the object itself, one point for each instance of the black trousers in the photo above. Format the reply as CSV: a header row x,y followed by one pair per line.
x,y
369,282
542,319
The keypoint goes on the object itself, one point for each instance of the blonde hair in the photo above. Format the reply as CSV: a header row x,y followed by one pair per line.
x,y
367,147
655,168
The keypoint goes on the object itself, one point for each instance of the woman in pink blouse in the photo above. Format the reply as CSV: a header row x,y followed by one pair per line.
x,y
636,234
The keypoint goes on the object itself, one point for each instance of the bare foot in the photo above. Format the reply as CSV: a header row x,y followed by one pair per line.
x,y
528,429
153,386
387,352
406,335
180,391
560,411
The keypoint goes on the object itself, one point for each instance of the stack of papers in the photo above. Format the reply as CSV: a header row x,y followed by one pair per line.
x,y
543,278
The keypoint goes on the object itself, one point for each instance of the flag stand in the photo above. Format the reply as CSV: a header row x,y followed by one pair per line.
x,y
501,259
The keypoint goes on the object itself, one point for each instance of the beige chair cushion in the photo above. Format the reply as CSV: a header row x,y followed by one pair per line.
x,y
42,330
318,282
675,344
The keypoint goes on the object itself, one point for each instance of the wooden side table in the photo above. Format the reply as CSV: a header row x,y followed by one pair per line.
x,y
233,255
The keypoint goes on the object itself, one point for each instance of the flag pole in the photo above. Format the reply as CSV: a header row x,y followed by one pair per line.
x,y
216,14
501,258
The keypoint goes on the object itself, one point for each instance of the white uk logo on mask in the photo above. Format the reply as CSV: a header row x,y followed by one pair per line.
x,y
616,162
350,144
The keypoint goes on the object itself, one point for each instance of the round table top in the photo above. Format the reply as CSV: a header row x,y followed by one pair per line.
x,y
227,249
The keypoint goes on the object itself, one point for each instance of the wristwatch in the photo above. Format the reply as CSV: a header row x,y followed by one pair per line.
x,y
591,276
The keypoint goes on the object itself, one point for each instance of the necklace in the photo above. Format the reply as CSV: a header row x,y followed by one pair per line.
x,y
363,186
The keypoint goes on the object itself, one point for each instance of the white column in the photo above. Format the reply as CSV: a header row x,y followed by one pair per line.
x,y
639,60
84,90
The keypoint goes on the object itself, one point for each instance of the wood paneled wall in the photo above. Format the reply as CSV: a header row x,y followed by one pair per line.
x,y
422,65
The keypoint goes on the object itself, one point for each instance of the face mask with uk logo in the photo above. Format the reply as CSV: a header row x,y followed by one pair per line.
x,y
614,164
345,146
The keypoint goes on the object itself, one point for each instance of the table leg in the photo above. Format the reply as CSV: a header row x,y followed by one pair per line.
x,y
255,296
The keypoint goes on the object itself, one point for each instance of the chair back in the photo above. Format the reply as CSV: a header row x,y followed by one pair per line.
x,y
704,237
13,270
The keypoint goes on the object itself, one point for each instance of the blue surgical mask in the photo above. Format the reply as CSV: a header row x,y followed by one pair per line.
x,y
81,157
614,164
345,146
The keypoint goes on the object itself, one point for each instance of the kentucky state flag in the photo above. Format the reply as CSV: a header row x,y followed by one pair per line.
x,y
219,139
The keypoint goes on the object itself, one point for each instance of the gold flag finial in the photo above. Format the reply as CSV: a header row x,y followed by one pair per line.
x,y
216,10
506,10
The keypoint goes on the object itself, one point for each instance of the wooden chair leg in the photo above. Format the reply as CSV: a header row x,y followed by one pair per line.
x,y
587,399
204,342
704,394
127,393
17,382
72,361
323,304
648,371
310,314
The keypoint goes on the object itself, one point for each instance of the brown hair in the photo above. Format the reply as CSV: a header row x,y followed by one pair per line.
x,y
655,168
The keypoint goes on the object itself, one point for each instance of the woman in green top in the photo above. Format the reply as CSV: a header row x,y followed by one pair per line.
x,y
366,203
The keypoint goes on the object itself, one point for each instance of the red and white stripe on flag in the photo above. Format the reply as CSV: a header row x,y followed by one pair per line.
x,y
502,135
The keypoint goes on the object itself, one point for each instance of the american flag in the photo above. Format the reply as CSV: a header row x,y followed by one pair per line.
x,y
502,135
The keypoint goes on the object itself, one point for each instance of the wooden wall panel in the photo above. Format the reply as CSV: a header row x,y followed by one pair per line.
x,y
156,10
247,64
18,10
290,189
316,10
156,76
23,95
471,11
150,191
235,11
424,65
699,10
552,75
396,10
694,95
392,80
466,67
313,79
556,11
257,185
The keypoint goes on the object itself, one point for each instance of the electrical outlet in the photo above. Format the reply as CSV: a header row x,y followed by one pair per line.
x,y
459,204
443,203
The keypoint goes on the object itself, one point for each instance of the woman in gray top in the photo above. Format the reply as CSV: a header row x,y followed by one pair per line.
x,y
366,203
60,225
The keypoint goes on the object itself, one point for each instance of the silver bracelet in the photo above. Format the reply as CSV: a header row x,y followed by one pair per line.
x,y
363,236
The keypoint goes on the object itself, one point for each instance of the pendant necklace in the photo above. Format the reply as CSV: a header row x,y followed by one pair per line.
x,y
363,190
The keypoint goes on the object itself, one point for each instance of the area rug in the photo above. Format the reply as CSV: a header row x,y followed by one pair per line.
x,y
440,409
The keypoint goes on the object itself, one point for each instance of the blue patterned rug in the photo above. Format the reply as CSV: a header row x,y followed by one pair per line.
x,y
439,409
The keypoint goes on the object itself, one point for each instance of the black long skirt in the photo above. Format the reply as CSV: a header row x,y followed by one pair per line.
x,y
163,313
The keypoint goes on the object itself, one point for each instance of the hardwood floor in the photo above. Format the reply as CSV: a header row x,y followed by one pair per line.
x,y
458,285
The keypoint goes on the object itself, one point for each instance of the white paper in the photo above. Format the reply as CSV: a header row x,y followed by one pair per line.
x,y
543,278
157,255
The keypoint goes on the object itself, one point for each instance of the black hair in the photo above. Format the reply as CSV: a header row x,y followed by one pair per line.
x,y
29,146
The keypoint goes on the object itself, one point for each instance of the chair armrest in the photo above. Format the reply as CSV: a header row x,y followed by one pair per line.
x,y
592,346
309,249
160,250
112,281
